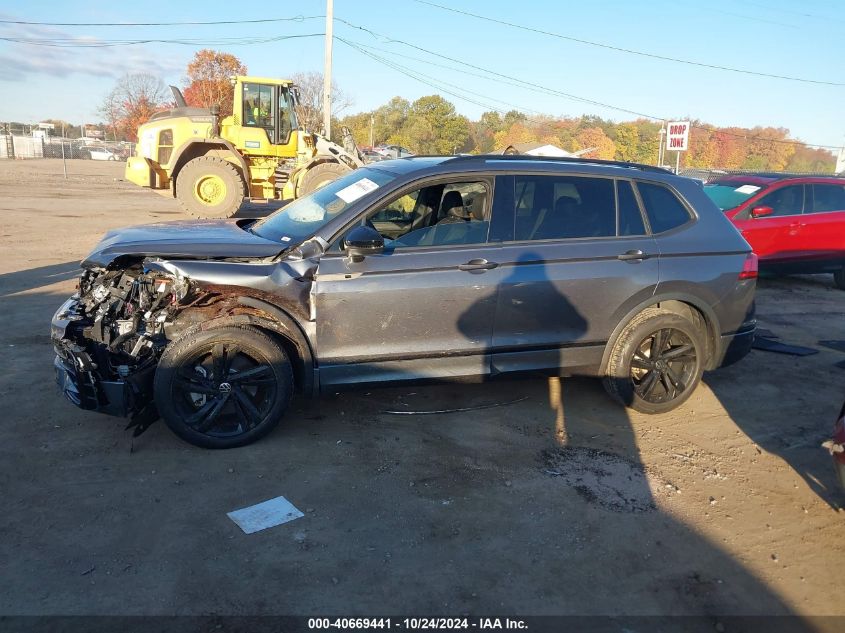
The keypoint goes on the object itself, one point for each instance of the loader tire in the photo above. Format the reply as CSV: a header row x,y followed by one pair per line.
x,y
319,176
210,187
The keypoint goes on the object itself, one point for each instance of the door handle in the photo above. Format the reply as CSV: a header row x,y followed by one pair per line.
x,y
478,264
634,255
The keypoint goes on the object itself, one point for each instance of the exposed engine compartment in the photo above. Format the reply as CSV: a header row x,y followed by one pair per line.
x,y
128,310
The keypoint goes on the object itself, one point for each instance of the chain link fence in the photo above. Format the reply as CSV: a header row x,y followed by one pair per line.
x,y
22,146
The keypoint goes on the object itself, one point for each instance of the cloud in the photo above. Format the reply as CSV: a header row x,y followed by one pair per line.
x,y
61,54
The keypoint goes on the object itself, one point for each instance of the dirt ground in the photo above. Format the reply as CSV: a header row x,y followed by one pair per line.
x,y
562,503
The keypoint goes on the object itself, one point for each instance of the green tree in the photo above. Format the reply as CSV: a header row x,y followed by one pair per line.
x,y
434,127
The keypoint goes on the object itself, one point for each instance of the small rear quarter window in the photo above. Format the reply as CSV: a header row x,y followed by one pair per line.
x,y
663,208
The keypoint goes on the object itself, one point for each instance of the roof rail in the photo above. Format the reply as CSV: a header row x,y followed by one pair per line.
x,y
784,174
561,159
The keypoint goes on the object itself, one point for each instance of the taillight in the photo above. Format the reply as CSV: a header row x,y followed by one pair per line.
x,y
750,267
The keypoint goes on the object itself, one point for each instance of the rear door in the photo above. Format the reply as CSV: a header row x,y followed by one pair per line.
x,y
568,265
777,238
823,233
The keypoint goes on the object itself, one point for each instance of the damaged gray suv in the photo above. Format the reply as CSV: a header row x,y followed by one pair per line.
x,y
425,268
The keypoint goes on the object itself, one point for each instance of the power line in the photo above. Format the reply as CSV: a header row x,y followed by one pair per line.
x,y
528,85
82,43
629,50
297,18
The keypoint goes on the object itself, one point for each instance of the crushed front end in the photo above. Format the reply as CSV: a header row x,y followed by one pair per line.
x,y
109,336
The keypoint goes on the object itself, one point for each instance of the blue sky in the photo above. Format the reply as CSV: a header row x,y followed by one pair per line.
x,y
801,39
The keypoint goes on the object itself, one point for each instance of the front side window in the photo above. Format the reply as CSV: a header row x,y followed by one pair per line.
x,y
828,198
258,106
563,207
663,208
287,116
442,214
784,201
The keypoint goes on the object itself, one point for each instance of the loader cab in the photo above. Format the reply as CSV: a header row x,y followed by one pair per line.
x,y
264,109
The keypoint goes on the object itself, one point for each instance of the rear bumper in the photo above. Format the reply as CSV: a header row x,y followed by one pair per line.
x,y
737,345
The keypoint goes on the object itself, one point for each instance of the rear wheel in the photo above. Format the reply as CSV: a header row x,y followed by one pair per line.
x,y
223,387
656,363
321,175
839,278
210,187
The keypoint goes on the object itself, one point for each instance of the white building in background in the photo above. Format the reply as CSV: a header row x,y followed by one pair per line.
x,y
840,162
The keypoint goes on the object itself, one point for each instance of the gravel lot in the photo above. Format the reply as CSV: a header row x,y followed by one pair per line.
x,y
562,503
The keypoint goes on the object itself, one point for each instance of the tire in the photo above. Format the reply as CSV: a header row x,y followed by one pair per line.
x,y
839,278
319,176
197,377
650,386
210,187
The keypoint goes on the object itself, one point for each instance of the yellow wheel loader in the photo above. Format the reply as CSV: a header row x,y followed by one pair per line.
x,y
210,165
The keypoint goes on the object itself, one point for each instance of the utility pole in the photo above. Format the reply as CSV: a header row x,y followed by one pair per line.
x,y
660,146
327,71
372,123
64,162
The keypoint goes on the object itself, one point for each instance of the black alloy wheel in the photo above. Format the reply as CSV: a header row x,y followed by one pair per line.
x,y
663,366
223,387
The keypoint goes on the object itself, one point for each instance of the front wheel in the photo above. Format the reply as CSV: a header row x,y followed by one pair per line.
x,y
223,387
656,363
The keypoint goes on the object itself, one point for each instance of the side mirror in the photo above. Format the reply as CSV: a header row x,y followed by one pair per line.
x,y
761,212
363,241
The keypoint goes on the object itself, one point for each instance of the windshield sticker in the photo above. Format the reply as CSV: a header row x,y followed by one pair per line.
x,y
749,189
284,238
356,190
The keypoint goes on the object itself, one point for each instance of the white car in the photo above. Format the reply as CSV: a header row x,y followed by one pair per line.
x,y
101,153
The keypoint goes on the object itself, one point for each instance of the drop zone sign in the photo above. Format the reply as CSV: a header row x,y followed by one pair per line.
x,y
677,139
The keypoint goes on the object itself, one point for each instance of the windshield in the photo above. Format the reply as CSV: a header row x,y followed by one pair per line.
x,y
305,216
728,195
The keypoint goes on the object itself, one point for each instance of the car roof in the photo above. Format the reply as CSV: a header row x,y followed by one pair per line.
x,y
522,163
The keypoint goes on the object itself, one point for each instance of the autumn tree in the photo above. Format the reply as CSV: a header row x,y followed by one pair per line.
x,y
209,80
602,146
132,102
309,110
514,135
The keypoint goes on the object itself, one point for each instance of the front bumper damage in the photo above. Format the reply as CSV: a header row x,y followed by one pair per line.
x,y
81,378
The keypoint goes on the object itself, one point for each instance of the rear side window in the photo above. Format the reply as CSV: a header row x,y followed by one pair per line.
x,y
665,212
828,198
563,207
630,218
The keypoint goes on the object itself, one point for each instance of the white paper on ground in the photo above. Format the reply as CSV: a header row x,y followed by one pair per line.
x,y
265,515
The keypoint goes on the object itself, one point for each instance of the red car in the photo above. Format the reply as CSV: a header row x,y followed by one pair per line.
x,y
795,224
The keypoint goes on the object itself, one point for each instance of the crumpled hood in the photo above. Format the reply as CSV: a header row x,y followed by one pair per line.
x,y
193,239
